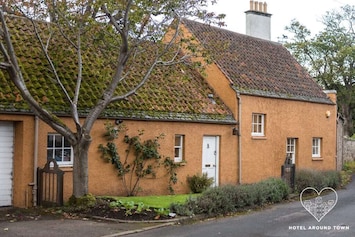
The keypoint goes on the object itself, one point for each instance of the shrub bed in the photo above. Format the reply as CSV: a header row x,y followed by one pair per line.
x,y
317,179
230,198
349,166
199,183
347,172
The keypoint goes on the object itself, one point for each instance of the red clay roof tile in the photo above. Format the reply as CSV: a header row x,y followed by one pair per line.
x,y
256,66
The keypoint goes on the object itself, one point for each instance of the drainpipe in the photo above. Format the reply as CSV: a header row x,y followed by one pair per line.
x,y
240,136
35,164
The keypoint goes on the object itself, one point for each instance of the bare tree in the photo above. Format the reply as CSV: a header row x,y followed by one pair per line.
x,y
121,27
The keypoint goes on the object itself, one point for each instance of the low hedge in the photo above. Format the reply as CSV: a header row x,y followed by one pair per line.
x,y
317,179
232,198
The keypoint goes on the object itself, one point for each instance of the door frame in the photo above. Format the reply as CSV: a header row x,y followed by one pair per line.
x,y
217,144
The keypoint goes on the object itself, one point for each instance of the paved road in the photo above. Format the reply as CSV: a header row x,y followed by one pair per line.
x,y
279,221
289,219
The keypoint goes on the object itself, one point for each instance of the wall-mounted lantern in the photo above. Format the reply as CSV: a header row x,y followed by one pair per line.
x,y
235,131
327,114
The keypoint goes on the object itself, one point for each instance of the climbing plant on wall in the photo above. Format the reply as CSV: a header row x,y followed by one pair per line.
x,y
140,160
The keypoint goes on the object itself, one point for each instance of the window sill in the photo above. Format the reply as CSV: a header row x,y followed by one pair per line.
x,y
258,137
317,158
180,162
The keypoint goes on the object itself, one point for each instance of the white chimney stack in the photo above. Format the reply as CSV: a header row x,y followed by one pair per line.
x,y
258,21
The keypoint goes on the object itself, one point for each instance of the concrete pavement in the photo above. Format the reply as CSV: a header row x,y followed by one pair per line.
x,y
74,227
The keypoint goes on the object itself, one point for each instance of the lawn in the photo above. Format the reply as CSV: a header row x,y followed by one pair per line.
x,y
163,201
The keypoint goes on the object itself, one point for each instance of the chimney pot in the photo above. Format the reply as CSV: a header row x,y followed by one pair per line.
x,y
265,7
251,5
261,7
256,6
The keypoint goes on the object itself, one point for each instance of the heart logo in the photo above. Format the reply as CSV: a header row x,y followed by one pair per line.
x,y
319,206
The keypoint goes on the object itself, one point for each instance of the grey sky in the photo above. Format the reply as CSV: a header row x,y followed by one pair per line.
x,y
308,12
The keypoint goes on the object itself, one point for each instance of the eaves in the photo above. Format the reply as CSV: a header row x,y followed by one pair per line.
x,y
271,94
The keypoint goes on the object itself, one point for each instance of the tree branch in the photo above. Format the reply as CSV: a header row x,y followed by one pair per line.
x,y
16,76
49,60
155,63
117,77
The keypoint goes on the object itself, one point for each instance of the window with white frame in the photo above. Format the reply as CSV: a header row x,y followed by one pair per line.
x,y
59,148
316,147
258,125
291,149
179,145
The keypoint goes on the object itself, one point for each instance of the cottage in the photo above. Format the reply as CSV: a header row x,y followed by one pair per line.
x,y
176,102
279,108
237,122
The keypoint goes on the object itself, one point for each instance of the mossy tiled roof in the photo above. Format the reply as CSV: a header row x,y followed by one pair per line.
x,y
175,93
256,66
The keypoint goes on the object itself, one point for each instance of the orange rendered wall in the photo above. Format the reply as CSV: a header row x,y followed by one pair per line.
x,y
103,179
262,157
215,78
193,132
23,158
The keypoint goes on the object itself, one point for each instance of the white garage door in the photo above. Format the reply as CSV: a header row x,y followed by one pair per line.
x,y
6,162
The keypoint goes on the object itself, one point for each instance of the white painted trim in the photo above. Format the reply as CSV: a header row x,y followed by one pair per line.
x,y
216,141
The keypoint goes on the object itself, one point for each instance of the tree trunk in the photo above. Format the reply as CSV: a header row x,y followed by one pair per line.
x,y
80,169
346,111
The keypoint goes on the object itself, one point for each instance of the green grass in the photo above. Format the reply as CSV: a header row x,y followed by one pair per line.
x,y
157,201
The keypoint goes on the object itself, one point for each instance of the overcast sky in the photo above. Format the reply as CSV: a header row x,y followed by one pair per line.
x,y
308,12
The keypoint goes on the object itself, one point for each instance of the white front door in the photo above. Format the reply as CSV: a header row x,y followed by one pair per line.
x,y
210,157
6,162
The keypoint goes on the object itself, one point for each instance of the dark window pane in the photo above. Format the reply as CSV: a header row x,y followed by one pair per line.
x,y
177,140
177,152
67,155
58,155
49,141
58,141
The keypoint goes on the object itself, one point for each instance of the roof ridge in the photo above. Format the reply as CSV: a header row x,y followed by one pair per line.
x,y
234,32
11,15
